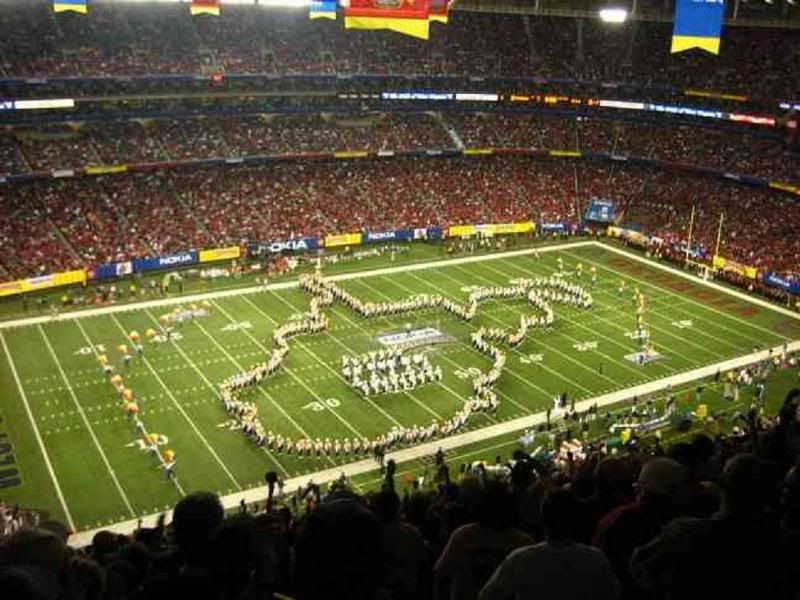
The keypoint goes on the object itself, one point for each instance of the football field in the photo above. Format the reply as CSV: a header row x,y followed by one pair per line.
x,y
75,454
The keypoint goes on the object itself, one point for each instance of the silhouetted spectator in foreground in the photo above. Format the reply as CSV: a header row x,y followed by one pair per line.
x,y
338,553
660,486
185,571
405,557
558,568
733,554
475,550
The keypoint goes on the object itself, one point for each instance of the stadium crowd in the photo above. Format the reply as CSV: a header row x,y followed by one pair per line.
x,y
162,39
744,152
701,517
77,223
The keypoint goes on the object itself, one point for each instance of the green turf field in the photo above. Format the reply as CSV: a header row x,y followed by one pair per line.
x,y
94,472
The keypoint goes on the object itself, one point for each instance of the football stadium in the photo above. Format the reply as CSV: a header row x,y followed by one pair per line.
x,y
380,299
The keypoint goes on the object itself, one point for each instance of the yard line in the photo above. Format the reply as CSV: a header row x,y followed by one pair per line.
x,y
318,359
469,437
684,298
465,345
703,349
508,368
541,341
210,385
295,377
175,402
664,330
239,366
595,314
39,440
86,422
343,345
282,285
261,389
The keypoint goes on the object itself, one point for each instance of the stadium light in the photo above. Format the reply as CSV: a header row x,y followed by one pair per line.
x,y
613,15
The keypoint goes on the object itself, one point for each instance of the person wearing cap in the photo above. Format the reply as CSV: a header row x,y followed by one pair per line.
x,y
733,554
658,500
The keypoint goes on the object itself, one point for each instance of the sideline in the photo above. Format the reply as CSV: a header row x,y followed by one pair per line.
x,y
257,494
282,285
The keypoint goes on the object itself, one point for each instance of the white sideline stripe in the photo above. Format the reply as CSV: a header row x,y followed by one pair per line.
x,y
35,427
85,420
84,538
283,285
177,404
696,279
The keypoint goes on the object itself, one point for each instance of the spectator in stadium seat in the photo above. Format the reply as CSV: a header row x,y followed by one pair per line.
x,y
405,556
782,444
338,553
475,550
558,568
658,501
612,481
185,570
734,554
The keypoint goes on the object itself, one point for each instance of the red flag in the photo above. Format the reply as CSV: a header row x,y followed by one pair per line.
x,y
205,7
410,17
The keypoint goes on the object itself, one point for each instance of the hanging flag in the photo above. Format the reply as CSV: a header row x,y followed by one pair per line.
x,y
78,6
322,9
698,24
205,7
409,17
439,10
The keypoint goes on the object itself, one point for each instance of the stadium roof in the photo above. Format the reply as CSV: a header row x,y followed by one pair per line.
x,y
758,13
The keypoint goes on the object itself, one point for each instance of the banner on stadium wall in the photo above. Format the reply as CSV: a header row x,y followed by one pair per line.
x,y
461,230
42,282
342,239
725,264
697,24
111,270
106,170
435,233
181,259
398,235
505,228
477,151
220,254
636,237
788,285
351,154
553,227
785,187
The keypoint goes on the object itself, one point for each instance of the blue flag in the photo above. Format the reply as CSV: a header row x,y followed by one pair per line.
x,y
698,24
322,9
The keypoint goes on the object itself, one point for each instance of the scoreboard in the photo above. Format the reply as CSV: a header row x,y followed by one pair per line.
x,y
600,210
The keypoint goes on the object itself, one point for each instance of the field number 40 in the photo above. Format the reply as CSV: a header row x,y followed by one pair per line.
x,y
320,406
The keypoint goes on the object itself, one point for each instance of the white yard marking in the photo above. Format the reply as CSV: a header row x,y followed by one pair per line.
x,y
210,386
294,376
698,281
175,402
463,439
85,420
283,285
38,435
319,360
469,348
594,314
